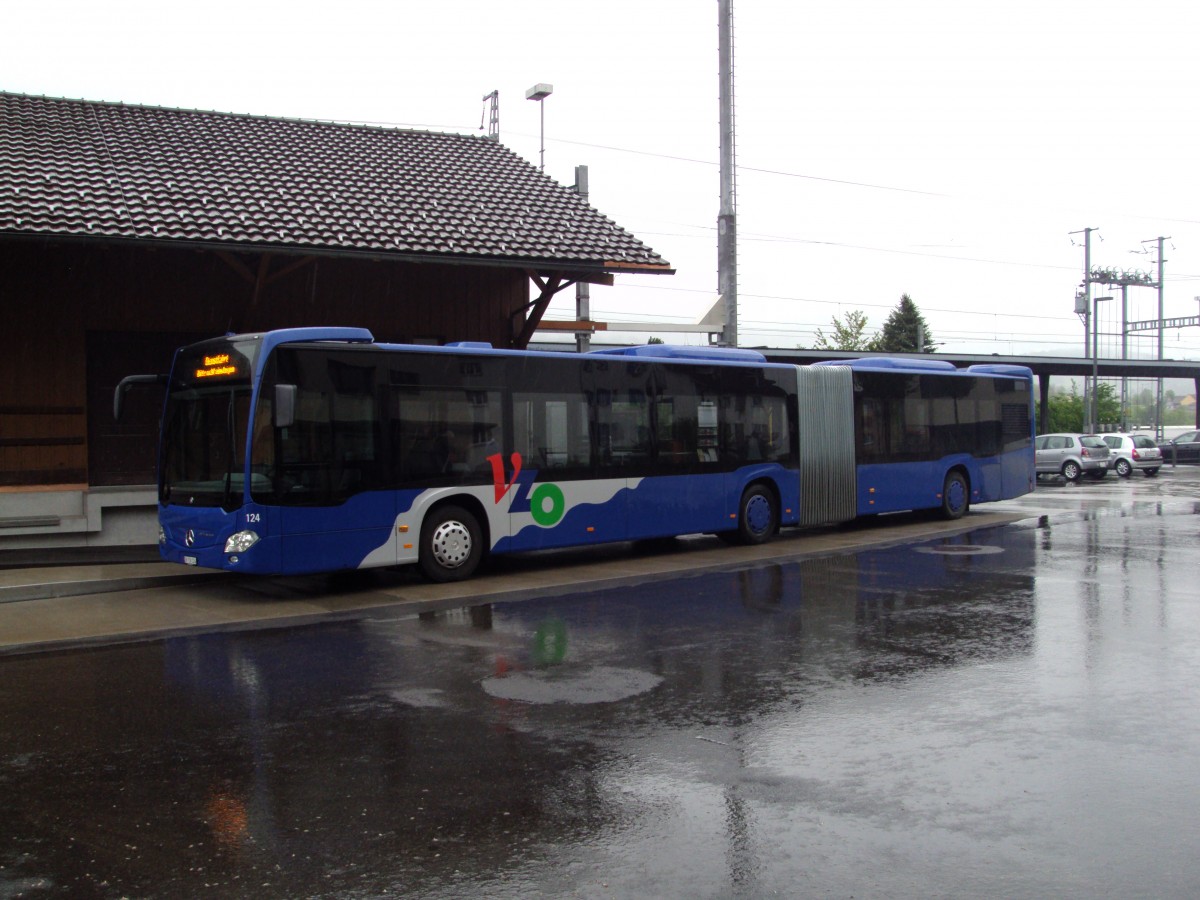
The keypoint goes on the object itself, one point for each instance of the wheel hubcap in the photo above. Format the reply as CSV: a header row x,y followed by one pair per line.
x,y
955,495
758,514
451,544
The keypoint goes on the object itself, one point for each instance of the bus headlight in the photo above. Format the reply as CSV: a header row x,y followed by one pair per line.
x,y
241,542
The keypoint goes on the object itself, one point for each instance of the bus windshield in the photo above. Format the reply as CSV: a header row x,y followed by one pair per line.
x,y
205,423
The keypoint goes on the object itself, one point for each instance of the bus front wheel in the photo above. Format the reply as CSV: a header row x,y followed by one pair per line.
x,y
451,544
956,498
758,515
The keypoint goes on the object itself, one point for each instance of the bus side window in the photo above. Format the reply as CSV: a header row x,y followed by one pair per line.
x,y
619,403
688,419
872,430
550,431
443,434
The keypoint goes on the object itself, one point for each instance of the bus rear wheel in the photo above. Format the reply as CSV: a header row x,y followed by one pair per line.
x,y
956,498
451,544
758,515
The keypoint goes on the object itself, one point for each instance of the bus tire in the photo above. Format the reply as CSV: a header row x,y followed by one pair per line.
x,y
758,515
451,544
956,496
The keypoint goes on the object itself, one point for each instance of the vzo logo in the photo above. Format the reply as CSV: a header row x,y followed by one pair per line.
x,y
545,502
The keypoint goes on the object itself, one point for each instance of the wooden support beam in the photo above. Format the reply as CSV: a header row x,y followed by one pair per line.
x,y
250,277
264,266
237,265
577,325
289,269
551,286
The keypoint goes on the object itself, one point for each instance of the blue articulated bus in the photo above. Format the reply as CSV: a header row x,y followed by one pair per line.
x,y
318,449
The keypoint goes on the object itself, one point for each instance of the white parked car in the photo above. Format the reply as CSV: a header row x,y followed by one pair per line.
x,y
1133,451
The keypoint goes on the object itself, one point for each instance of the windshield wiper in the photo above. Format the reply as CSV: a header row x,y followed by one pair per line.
x,y
229,425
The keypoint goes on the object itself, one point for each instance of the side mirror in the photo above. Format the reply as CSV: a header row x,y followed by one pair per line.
x,y
284,414
129,381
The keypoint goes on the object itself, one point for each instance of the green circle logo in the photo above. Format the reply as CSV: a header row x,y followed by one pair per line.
x,y
547,504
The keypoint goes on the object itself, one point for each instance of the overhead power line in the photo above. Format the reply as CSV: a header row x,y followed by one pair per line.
x,y
801,175
741,168
782,173
849,303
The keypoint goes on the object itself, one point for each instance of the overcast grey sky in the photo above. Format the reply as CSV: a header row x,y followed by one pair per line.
x,y
935,147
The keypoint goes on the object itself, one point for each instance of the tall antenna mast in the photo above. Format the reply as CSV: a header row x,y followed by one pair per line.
x,y
727,219
494,117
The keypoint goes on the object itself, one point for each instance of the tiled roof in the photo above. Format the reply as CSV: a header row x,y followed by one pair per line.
x,y
114,171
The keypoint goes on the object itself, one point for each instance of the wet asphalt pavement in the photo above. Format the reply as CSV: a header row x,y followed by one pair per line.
x,y
1011,712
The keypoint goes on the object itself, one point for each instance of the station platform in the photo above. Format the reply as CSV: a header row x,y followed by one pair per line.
x,y
52,607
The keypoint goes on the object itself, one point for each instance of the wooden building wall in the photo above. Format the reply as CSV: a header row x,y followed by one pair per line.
x,y
75,317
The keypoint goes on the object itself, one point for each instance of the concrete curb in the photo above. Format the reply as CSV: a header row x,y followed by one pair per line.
x,y
18,585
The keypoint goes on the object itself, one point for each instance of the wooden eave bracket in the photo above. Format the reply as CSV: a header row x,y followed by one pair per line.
x,y
549,285
264,276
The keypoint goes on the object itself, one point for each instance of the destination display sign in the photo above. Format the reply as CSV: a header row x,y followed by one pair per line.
x,y
216,362
217,366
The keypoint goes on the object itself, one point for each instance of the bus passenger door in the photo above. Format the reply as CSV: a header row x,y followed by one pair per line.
x,y
557,500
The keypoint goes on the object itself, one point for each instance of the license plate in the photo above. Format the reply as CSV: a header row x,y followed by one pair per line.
x,y
189,560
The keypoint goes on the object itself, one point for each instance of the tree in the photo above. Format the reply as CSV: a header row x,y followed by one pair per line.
x,y
847,334
1064,409
1181,415
656,340
1108,405
901,330
1142,405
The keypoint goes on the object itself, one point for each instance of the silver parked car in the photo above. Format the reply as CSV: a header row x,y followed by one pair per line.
x,y
1133,451
1071,455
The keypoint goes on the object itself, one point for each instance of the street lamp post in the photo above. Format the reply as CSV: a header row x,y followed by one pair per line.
x,y
540,92
1093,411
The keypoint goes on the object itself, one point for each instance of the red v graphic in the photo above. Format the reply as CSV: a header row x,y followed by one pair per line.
x,y
503,487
